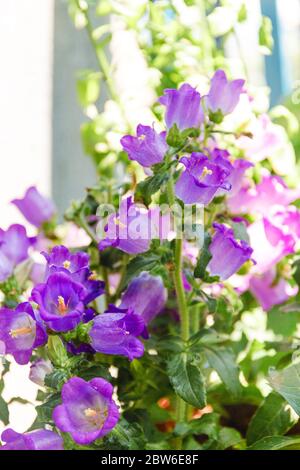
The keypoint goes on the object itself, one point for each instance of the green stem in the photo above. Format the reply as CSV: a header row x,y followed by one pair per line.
x,y
83,224
181,407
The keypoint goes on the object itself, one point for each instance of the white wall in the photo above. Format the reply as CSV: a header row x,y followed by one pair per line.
x,y
25,100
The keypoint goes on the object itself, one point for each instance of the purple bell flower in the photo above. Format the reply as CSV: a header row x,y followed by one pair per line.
x,y
147,148
20,332
129,230
60,301
228,254
116,331
88,411
40,439
223,95
183,107
146,296
35,208
14,246
38,371
202,178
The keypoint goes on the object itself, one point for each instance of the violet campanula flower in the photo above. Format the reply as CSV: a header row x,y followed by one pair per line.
x,y
35,208
21,332
223,95
201,179
274,237
40,439
145,295
60,301
129,230
268,291
116,332
228,254
60,259
147,148
259,199
38,371
88,411
14,246
183,107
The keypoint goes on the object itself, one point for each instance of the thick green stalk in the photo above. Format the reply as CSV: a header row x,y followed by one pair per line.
x,y
181,406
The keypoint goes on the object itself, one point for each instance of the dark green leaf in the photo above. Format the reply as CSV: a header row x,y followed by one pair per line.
x,y
145,262
204,258
4,413
282,322
277,443
146,188
45,410
187,380
273,417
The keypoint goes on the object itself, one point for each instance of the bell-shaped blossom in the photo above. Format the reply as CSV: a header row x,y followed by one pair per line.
x,y
274,237
129,230
88,411
183,107
116,332
38,371
14,246
223,95
147,148
201,179
259,199
36,208
60,301
268,291
40,439
76,264
228,254
21,332
266,138
145,295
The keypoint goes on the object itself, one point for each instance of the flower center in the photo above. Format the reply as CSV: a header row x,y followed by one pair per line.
x,y
25,330
206,171
61,305
119,223
92,276
66,264
95,416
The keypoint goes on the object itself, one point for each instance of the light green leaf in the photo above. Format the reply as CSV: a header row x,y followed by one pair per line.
x,y
273,417
277,443
287,383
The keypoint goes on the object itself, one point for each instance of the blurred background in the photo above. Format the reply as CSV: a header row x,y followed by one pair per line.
x,y
40,117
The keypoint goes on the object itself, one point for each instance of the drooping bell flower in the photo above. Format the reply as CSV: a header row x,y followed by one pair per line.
x,y
129,230
223,95
274,237
116,332
147,148
38,371
14,246
259,199
35,208
21,332
201,179
60,301
183,107
268,291
40,439
228,254
145,295
88,411
76,264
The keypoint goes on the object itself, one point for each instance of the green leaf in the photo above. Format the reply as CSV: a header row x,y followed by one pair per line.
x,y
45,410
223,361
265,37
56,350
273,417
240,231
187,380
287,383
204,258
207,424
88,373
88,87
277,443
144,262
227,437
282,322
126,435
149,186
56,379
4,413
